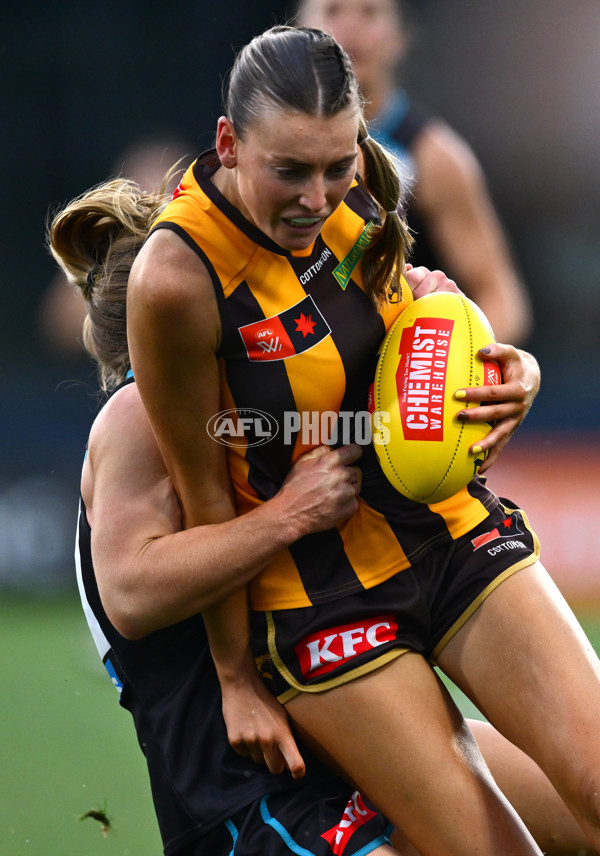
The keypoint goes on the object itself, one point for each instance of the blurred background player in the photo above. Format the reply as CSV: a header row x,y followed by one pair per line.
x,y
448,205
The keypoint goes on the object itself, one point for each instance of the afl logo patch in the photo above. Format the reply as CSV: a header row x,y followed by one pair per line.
x,y
292,332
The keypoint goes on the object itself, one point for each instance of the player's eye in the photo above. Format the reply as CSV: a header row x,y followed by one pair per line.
x,y
341,170
289,173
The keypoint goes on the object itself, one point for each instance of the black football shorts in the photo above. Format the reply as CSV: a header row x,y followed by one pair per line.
x,y
304,821
311,649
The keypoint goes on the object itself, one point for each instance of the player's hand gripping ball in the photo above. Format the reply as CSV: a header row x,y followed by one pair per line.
x,y
428,354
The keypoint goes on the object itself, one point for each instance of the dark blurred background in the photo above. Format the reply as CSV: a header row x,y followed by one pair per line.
x,y
83,83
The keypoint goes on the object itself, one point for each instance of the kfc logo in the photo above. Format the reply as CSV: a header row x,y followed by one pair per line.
x,y
322,652
355,815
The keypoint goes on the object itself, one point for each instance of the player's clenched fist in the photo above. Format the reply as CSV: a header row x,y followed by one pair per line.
x,y
321,489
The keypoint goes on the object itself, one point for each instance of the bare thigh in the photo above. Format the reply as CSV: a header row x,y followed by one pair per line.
x,y
532,795
526,663
399,737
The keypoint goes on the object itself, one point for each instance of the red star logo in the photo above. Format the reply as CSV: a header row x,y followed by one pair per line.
x,y
305,324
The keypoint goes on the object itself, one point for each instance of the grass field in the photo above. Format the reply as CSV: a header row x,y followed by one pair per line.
x,y
67,746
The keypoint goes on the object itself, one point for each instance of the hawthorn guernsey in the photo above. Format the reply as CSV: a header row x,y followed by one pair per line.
x,y
429,353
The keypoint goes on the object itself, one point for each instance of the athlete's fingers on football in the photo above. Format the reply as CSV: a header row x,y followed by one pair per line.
x,y
492,444
506,401
495,351
516,365
423,286
423,281
427,282
502,392
493,455
503,354
415,275
504,418
438,281
492,411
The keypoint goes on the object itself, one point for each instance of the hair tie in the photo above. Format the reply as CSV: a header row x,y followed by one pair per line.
x,y
364,139
90,284
394,211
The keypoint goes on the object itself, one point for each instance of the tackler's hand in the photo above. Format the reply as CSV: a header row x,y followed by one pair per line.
x,y
258,728
322,488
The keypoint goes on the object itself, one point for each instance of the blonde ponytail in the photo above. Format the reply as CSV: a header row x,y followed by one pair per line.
x,y
94,239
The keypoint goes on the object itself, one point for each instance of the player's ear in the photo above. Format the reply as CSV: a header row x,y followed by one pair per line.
x,y
226,143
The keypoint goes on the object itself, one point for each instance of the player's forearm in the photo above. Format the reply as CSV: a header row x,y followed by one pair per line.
x,y
227,628
174,576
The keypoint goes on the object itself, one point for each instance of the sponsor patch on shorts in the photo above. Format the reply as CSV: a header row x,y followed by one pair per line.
x,y
328,649
510,527
356,814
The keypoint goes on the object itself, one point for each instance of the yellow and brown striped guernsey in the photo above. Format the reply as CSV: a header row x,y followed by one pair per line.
x,y
299,342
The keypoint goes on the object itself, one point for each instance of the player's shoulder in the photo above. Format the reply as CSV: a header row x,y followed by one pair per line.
x,y
448,170
441,149
167,274
122,426
122,446
123,469
120,415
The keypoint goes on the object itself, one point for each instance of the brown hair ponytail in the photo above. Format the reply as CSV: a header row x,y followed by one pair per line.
x,y
384,259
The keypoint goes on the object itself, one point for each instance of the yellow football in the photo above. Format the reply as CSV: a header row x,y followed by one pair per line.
x,y
428,354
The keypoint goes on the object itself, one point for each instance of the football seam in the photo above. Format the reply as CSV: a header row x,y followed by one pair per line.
x,y
377,402
462,426
385,446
